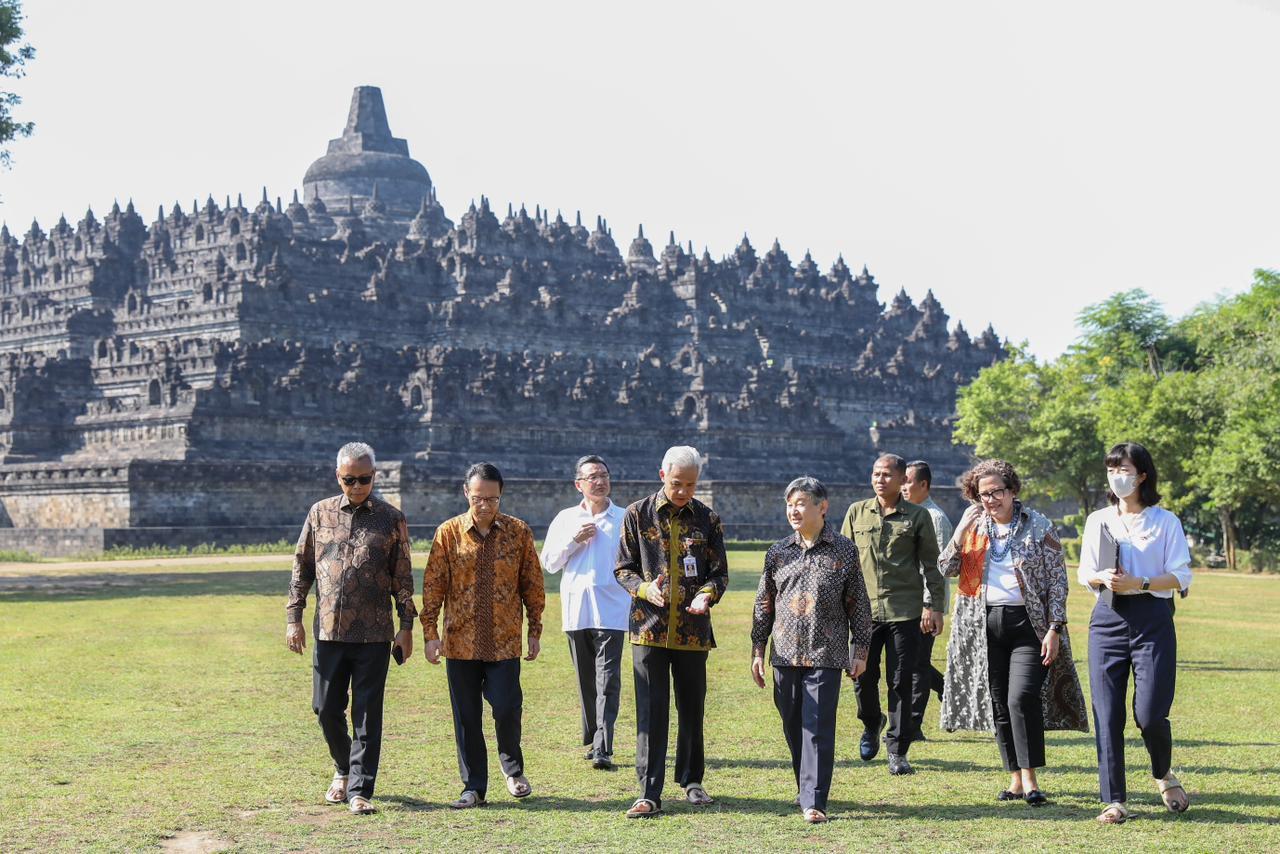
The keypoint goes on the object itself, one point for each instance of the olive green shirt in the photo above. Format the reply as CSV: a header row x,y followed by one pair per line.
x,y
899,556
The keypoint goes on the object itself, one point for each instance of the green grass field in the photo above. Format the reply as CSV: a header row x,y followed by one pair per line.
x,y
142,707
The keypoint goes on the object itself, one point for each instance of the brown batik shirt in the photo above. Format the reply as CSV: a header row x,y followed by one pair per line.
x,y
485,585
656,537
813,601
358,559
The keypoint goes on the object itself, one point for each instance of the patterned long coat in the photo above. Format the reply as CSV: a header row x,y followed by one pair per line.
x,y
1042,574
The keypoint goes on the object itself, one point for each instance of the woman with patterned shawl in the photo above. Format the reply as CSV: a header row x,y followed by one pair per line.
x,y
1009,667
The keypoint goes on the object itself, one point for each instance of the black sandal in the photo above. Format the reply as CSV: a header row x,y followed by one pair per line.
x,y
1036,798
1007,795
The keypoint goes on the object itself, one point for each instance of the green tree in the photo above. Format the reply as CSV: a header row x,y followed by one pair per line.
x,y
1041,418
14,55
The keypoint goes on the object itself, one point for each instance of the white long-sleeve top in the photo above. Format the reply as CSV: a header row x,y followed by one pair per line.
x,y
590,595
1152,544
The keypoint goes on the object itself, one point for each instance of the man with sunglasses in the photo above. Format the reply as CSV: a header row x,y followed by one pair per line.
x,y
355,548
583,542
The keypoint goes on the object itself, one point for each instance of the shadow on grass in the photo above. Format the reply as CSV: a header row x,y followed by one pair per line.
x,y
107,585
923,763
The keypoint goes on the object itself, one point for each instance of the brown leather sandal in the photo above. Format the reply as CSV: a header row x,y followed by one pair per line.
x,y
1115,813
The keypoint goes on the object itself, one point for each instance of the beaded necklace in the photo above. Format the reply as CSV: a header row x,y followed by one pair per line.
x,y
994,549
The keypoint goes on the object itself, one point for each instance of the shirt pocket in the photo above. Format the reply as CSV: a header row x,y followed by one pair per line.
x,y
866,535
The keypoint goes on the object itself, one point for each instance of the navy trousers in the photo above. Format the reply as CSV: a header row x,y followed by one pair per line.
x,y
1135,634
807,699
361,668
470,684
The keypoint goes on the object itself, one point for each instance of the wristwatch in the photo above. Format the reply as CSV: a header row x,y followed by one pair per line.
x,y
1146,584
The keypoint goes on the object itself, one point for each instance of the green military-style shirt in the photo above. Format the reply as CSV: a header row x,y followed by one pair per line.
x,y
899,556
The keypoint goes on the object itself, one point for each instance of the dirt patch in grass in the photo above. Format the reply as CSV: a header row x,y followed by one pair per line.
x,y
194,842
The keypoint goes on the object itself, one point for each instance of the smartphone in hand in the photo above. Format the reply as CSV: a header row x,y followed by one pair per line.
x,y
398,654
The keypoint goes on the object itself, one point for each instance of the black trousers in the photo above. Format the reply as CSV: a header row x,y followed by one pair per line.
x,y
657,669
926,679
1134,634
807,699
470,684
1016,671
597,658
898,641
337,666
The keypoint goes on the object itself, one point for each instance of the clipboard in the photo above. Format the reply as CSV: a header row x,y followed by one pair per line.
x,y
1108,552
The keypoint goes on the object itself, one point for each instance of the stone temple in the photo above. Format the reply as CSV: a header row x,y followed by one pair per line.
x,y
190,379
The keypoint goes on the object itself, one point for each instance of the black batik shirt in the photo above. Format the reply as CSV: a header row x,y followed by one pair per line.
x,y
813,602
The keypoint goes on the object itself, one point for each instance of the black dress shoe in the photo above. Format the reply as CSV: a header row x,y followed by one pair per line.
x,y
869,744
1036,798
603,763
590,755
1007,795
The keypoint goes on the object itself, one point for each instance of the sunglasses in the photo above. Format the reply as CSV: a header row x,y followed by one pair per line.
x,y
352,480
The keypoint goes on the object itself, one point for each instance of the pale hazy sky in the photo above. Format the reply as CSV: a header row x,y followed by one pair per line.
x,y
1022,159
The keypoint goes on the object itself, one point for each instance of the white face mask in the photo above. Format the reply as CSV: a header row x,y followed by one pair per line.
x,y
1122,483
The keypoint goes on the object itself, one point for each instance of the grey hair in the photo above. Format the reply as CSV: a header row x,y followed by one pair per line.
x,y
682,456
811,486
356,451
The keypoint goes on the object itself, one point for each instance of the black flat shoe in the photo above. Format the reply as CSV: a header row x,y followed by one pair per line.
x,y
1007,795
1036,798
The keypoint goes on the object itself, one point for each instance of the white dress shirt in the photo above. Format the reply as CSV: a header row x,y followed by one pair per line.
x,y
1151,544
590,595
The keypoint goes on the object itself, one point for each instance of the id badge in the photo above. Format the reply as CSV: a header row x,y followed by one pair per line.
x,y
690,566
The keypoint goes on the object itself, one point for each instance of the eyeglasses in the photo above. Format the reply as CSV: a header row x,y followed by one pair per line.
x,y
596,478
352,480
476,499
993,495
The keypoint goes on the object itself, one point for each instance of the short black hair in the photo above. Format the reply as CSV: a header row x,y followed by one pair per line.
x,y
1141,459
588,460
923,472
898,462
484,471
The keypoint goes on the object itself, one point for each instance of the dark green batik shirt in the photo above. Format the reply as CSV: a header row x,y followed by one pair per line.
x,y
899,556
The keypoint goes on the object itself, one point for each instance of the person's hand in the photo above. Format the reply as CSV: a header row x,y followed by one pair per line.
x,y
295,637
1049,647
857,666
432,651
654,592
586,532
404,640
701,604
757,670
1118,581
931,622
535,647
967,521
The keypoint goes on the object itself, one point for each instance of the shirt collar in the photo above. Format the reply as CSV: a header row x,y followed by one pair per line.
x,y
826,535
345,504
608,511
470,522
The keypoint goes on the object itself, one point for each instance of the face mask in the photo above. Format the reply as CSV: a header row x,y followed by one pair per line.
x,y
1122,484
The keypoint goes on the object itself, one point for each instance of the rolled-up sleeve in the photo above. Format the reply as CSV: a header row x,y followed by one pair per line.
x,y
1177,556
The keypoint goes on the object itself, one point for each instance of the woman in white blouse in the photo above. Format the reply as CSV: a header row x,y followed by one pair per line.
x,y
1131,629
